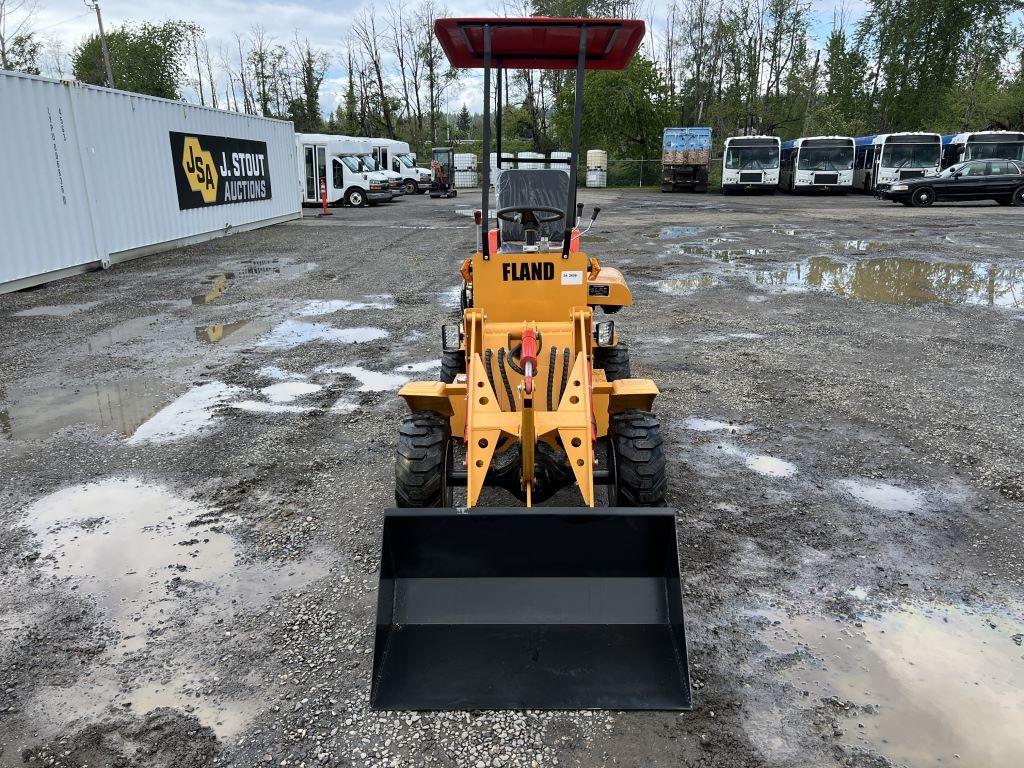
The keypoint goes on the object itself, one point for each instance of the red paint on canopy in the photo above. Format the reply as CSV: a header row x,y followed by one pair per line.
x,y
540,43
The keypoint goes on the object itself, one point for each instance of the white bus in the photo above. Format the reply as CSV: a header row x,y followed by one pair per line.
x,y
395,156
890,157
750,163
335,162
818,163
982,145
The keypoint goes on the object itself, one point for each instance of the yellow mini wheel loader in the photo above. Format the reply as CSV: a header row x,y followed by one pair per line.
x,y
531,607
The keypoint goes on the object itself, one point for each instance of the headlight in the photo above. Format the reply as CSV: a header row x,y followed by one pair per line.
x,y
898,188
425,177
376,186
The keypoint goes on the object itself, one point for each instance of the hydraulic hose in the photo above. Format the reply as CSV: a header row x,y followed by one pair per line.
x,y
551,377
488,356
565,373
504,378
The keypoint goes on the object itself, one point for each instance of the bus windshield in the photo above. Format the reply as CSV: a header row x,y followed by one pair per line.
x,y
369,164
406,161
1000,150
752,158
352,163
910,155
826,159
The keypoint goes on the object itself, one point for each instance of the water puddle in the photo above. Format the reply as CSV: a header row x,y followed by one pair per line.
x,y
111,407
59,310
217,285
329,307
421,367
735,254
762,464
864,246
278,267
924,686
157,566
684,286
292,333
261,406
697,424
237,333
191,414
675,232
882,496
686,250
289,391
369,381
903,281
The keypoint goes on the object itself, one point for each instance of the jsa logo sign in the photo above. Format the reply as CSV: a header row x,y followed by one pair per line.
x,y
527,270
216,170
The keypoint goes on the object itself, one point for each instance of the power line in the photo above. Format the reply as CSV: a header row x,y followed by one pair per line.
x,y
65,21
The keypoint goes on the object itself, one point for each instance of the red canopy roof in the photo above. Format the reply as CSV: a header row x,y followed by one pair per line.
x,y
540,43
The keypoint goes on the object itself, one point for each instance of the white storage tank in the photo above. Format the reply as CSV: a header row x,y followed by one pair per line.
x,y
93,176
560,160
597,159
530,160
597,177
466,179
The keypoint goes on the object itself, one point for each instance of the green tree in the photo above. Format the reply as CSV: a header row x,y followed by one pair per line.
x,y
22,54
464,123
148,58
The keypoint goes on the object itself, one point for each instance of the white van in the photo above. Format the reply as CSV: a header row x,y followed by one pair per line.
x,y
335,162
395,156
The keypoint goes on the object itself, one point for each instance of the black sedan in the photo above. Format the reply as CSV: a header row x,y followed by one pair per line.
x,y
999,180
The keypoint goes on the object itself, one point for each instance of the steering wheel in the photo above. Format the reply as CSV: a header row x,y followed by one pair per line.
x,y
506,214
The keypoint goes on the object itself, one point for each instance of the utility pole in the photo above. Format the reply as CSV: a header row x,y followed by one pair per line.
x,y
811,94
95,6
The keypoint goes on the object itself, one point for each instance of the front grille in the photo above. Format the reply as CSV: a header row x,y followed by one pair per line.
x,y
750,177
826,178
911,174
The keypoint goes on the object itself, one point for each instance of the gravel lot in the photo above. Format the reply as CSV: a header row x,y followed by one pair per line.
x,y
195,449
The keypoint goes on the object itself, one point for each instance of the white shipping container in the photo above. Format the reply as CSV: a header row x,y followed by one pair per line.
x,y
597,177
598,159
94,176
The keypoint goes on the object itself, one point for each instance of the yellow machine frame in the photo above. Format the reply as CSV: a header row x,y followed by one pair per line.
x,y
513,292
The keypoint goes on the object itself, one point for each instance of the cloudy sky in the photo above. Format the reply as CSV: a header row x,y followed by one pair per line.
x,y
325,23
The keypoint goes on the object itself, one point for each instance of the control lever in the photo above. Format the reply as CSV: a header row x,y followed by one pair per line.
x,y
593,218
579,213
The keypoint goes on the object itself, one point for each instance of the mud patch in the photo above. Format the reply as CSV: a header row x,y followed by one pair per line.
x,y
924,685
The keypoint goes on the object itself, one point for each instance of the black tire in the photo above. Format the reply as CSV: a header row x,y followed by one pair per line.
x,y
1018,196
466,296
410,187
421,459
923,197
639,459
452,364
614,361
355,197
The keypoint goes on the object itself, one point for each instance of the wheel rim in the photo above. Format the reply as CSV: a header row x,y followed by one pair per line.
x,y
1018,197
924,197
410,188
356,199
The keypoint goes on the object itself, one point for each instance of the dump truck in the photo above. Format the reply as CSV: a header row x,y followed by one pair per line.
x,y
530,606
685,159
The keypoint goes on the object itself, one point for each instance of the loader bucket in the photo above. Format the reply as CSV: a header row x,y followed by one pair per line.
x,y
518,608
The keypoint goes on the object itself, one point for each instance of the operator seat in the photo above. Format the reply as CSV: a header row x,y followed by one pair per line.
x,y
517,187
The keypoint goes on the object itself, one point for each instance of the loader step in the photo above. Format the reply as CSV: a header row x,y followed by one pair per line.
x,y
543,608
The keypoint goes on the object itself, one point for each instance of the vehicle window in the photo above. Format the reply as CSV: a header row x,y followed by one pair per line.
x,y
339,174
352,163
910,155
751,158
405,160
1001,168
826,158
973,169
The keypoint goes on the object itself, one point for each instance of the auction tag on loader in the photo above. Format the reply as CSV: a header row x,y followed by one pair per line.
x,y
572,277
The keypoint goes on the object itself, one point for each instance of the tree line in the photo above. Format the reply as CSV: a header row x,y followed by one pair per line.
x,y
738,66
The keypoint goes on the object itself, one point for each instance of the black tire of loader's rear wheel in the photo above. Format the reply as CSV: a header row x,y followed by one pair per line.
x,y
639,459
614,361
420,459
452,364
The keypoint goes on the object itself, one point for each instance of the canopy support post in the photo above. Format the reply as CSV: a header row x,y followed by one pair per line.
x,y
577,117
485,218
